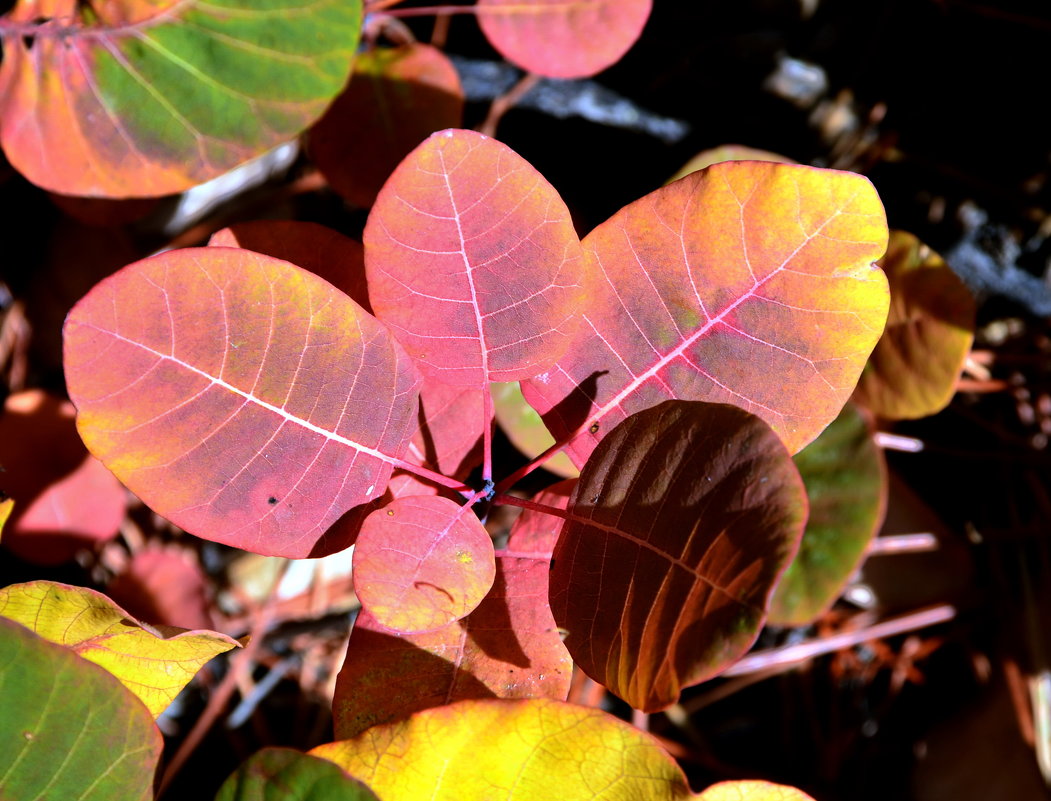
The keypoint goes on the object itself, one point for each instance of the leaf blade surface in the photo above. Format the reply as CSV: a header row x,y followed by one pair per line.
x,y
473,261
245,399
151,99
748,283
679,527
152,665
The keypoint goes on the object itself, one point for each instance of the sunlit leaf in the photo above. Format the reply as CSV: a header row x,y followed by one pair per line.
x,y
281,774
70,730
123,99
506,648
526,430
67,500
510,751
748,283
717,155
397,97
244,398
562,39
328,254
752,791
913,370
153,664
421,563
473,262
680,525
846,484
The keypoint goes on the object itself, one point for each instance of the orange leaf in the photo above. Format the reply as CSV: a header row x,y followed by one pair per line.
x,y
913,370
141,98
236,394
421,563
748,283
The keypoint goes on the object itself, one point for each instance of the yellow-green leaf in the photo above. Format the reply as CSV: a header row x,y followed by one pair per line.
x,y
503,750
155,663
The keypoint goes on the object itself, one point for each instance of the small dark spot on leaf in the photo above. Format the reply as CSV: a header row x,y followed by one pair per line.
x,y
271,500
594,428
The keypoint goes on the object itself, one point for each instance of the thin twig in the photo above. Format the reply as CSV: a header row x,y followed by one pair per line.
x,y
217,702
791,655
505,102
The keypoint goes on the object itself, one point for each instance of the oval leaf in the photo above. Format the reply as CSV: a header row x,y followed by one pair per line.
x,y
70,729
281,774
526,430
503,750
562,39
506,648
243,398
913,370
679,527
397,97
328,254
846,485
153,665
123,99
473,261
421,563
748,283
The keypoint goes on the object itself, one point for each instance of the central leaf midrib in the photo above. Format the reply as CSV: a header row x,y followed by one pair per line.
x,y
216,381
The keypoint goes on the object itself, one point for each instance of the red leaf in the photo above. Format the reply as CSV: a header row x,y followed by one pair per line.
x,y
537,532
397,97
506,648
473,261
421,563
748,283
164,585
449,439
336,258
245,399
681,523
64,499
563,39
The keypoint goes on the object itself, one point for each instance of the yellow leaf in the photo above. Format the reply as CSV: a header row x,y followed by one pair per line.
x,y
752,791
153,663
498,750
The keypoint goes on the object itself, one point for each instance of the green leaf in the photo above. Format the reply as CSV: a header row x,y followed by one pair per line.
x,y
846,483
281,774
154,665
70,729
137,99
